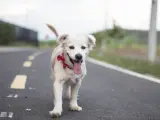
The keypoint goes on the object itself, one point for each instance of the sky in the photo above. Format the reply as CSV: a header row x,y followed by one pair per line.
x,y
77,16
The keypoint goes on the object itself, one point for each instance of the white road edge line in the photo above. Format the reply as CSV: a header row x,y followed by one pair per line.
x,y
119,69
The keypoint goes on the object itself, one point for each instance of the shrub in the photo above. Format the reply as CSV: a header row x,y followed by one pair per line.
x,y
117,32
129,40
7,34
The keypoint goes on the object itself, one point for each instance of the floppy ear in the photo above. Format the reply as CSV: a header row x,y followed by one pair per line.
x,y
53,29
91,41
62,38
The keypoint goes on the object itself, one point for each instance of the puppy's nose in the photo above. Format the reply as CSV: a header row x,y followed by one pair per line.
x,y
78,56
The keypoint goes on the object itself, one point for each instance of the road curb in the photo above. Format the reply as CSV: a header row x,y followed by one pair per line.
x,y
120,69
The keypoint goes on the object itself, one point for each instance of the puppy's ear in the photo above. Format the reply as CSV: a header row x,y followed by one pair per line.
x,y
91,41
53,29
62,38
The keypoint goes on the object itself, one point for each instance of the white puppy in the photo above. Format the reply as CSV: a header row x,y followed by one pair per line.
x,y
69,68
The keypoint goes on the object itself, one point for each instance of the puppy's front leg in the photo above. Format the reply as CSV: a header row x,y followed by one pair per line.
x,y
57,90
74,93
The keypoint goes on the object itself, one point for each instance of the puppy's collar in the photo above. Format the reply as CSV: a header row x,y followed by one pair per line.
x,y
62,58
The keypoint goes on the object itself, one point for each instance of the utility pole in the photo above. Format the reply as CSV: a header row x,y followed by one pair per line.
x,y
152,38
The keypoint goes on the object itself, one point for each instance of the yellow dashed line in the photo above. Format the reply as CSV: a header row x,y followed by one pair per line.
x,y
19,82
31,57
27,64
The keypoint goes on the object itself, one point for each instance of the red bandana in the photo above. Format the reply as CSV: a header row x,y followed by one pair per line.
x,y
62,58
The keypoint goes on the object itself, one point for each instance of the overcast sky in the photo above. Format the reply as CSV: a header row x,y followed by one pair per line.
x,y
77,16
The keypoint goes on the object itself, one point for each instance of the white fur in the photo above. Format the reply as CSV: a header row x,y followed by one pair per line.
x,y
65,80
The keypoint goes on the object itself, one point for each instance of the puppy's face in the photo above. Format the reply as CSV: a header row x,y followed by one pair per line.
x,y
77,48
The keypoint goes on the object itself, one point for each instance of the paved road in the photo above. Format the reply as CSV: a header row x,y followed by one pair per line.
x,y
105,94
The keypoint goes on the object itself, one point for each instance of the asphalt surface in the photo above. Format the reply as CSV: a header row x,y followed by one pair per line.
x,y
104,95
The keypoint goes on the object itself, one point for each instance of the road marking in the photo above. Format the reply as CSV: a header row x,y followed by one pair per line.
x,y
27,64
3,114
30,57
119,69
10,95
34,55
10,114
15,96
30,88
19,82
28,109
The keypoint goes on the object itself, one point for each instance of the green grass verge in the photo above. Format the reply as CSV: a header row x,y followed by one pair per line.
x,y
140,66
46,44
21,44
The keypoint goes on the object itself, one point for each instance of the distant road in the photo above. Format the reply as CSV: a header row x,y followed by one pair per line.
x,y
13,49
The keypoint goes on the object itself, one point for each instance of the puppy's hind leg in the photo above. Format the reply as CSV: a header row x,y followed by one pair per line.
x,y
67,91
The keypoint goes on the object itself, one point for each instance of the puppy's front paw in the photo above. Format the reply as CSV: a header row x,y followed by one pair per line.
x,y
56,112
76,108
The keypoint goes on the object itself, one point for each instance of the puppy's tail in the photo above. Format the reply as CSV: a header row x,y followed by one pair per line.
x,y
53,29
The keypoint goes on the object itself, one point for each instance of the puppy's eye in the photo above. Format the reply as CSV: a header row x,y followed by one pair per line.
x,y
83,47
71,47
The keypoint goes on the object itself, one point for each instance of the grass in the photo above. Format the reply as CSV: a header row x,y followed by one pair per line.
x,y
46,44
140,66
21,44
128,45
132,49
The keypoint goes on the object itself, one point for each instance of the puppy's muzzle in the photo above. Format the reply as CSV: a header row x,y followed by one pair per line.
x,y
78,57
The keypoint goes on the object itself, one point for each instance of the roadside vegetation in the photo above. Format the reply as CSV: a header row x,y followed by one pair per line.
x,y
8,36
116,47
46,44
